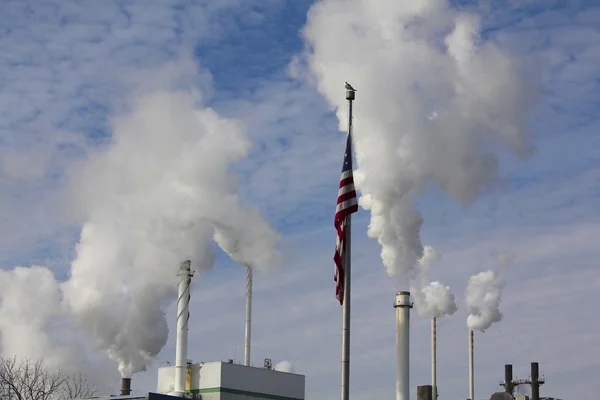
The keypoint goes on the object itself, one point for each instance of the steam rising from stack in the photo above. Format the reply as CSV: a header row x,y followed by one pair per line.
x,y
159,192
433,96
433,300
482,297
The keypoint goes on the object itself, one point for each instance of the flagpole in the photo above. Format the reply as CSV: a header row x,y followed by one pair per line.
x,y
345,386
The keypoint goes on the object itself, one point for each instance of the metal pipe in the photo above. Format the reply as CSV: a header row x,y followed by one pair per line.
x,y
535,381
433,359
183,315
248,315
471,367
347,266
403,306
508,379
125,386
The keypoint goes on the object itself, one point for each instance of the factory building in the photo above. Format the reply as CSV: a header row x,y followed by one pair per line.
x,y
215,380
148,396
224,381
228,381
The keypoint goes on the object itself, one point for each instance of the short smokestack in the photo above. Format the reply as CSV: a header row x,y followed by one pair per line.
x,y
403,306
424,392
433,359
535,381
248,316
508,379
183,315
125,386
471,367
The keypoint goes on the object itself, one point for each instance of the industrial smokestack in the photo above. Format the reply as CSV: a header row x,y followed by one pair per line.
x,y
433,359
125,386
183,315
508,379
248,316
471,367
403,306
535,381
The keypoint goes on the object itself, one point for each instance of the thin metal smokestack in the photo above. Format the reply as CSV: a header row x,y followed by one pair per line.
x,y
535,381
508,379
125,386
248,315
433,359
403,306
183,315
471,367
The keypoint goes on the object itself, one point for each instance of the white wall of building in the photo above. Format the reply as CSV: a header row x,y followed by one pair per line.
x,y
225,381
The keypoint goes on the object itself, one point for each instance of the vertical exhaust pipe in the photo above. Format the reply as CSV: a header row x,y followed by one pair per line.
x,y
248,315
125,386
535,381
433,359
508,379
403,306
183,315
471,367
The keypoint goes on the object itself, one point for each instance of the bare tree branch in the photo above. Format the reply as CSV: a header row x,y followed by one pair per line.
x,y
28,380
76,387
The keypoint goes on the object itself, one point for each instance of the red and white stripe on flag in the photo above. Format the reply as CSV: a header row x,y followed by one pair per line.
x,y
347,203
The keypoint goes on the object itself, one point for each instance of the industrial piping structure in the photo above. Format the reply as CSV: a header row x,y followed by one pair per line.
x,y
534,380
248,315
403,306
471,367
183,315
433,359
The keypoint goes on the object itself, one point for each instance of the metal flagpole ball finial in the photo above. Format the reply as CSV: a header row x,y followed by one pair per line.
x,y
350,91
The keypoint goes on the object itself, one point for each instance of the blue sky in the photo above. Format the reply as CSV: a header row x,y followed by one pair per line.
x,y
67,68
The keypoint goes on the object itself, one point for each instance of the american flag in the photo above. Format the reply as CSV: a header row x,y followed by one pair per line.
x,y
347,204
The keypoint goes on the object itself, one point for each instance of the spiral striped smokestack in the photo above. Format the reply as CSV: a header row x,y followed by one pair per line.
x,y
183,315
248,333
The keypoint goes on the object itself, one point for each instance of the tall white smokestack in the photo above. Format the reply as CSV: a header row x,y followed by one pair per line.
x,y
471,376
433,359
248,315
183,315
403,306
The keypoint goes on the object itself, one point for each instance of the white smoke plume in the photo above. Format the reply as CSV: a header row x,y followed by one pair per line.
x,y
160,192
435,104
433,300
482,298
154,197
285,366
484,291
247,238
30,300
34,325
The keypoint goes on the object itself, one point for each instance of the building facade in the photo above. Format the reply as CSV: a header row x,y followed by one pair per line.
x,y
229,381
